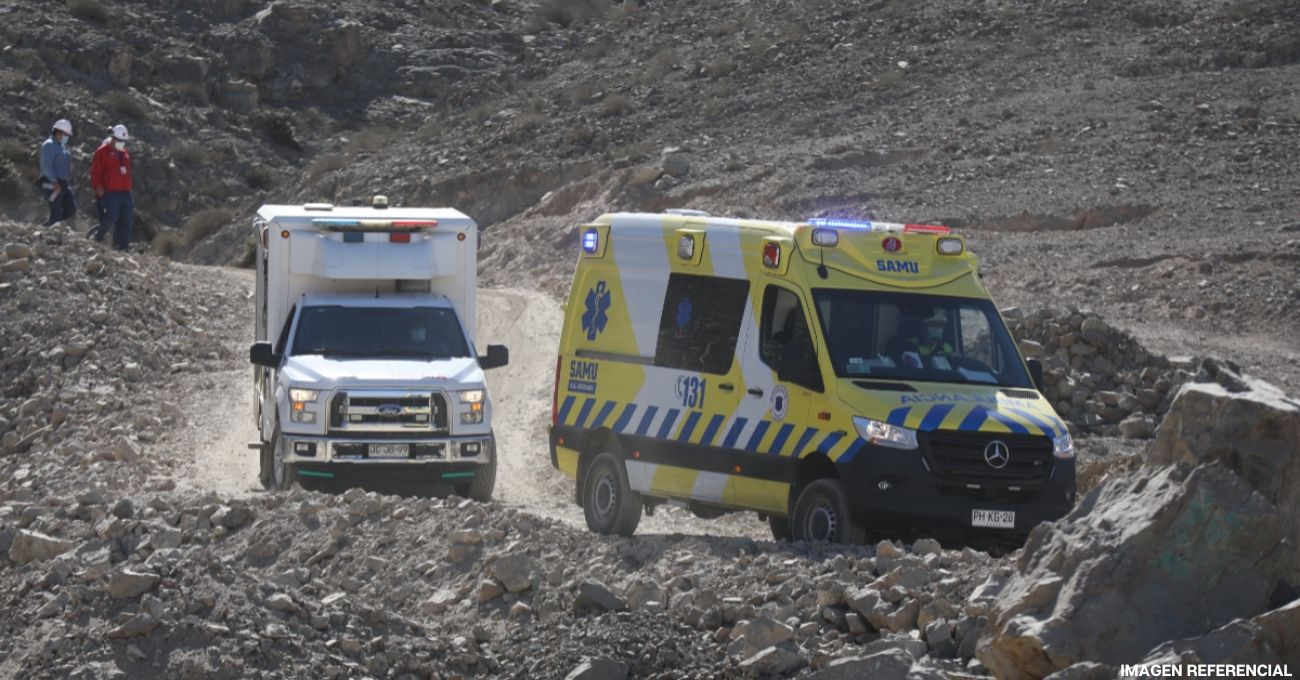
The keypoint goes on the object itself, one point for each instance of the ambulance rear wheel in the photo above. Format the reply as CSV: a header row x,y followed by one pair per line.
x,y
608,501
780,527
821,515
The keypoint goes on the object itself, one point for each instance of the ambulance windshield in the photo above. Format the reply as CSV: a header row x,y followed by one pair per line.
x,y
380,332
925,338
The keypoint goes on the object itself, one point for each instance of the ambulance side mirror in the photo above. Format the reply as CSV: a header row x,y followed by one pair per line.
x,y
1036,373
263,354
496,357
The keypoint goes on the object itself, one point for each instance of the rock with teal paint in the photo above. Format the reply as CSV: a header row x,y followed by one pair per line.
x,y
1157,555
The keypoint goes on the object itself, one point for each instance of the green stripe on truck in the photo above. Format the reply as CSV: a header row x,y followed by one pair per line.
x,y
457,475
313,473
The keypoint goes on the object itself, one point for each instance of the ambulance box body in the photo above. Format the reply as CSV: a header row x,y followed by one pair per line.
x,y
840,378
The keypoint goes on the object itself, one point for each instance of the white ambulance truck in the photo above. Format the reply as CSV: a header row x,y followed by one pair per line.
x,y
365,369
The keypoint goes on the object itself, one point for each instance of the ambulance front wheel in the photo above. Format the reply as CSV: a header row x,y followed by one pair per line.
x,y
780,527
608,501
821,515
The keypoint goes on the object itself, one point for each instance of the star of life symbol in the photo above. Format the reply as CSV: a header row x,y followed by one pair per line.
x,y
595,317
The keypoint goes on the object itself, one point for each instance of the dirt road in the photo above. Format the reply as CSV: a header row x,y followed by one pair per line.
x,y
528,322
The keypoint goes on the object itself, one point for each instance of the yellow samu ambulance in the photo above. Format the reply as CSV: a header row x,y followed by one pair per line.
x,y
841,378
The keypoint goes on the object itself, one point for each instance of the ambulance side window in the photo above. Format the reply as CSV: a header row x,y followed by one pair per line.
x,y
784,331
700,323
977,339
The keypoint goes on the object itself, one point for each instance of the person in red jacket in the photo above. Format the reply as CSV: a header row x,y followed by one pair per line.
x,y
110,178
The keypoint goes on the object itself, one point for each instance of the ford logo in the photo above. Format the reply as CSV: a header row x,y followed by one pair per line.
x,y
389,410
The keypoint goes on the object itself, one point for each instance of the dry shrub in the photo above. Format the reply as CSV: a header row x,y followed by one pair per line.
x,y
616,105
191,154
197,93
166,242
17,153
369,140
323,165
13,189
1092,472
90,10
205,223
261,178
720,66
126,105
565,13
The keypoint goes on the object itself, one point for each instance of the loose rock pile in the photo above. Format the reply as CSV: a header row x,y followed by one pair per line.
x,y
1099,378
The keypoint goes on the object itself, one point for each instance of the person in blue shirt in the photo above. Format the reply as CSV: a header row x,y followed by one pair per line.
x,y
56,173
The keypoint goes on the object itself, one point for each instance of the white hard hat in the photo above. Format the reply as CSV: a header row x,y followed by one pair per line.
x,y
119,132
63,125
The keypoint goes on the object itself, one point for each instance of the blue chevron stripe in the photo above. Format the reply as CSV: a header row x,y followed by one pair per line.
x,y
648,418
565,407
757,438
666,428
935,416
1046,426
829,442
804,439
854,448
734,433
620,425
603,414
584,412
715,423
781,436
898,416
1013,425
974,419
689,427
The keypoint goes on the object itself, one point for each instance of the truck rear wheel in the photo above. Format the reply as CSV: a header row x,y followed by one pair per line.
x,y
485,477
821,515
608,501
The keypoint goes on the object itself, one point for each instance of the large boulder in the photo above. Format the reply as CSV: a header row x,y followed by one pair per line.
x,y
1272,638
1157,555
1248,425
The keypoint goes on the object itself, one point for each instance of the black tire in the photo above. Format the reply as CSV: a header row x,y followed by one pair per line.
x,y
780,527
485,477
264,465
280,476
821,515
609,503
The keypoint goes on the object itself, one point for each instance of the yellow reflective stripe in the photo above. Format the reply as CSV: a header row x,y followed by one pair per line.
x,y
567,460
674,481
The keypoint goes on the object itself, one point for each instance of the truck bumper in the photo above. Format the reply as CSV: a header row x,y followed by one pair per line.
x,y
311,451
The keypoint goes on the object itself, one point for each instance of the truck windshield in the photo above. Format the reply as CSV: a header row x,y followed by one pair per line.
x,y
380,332
910,337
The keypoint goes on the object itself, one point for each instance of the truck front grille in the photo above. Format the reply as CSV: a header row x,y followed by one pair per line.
x,y
388,412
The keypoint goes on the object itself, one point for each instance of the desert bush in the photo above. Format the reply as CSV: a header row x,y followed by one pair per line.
x,y
197,93
205,223
191,154
616,105
720,66
369,140
261,178
323,165
13,189
565,13
126,105
90,10
1091,473
17,153
166,242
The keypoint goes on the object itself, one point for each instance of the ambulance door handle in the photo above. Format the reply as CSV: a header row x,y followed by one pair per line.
x,y
756,391
727,387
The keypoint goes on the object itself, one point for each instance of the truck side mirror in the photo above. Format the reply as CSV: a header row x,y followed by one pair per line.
x,y
496,357
263,354
1036,373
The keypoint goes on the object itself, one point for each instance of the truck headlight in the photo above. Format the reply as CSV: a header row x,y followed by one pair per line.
x,y
884,434
1063,446
471,396
302,395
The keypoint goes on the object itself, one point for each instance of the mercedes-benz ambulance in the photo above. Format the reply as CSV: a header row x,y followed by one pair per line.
x,y
841,378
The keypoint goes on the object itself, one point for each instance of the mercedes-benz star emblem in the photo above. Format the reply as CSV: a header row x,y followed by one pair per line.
x,y
997,455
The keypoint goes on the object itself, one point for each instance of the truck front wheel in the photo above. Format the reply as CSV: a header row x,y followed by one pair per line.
x,y
608,501
276,475
485,477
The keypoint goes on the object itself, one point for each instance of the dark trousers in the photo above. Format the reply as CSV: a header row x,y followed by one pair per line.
x,y
118,215
63,207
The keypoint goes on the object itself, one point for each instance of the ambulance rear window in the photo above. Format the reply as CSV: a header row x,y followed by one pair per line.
x,y
918,338
700,323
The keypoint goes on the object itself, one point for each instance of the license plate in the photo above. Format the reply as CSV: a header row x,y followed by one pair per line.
x,y
993,519
390,450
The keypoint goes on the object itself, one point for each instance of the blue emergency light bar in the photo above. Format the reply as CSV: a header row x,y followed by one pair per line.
x,y
590,241
841,223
